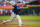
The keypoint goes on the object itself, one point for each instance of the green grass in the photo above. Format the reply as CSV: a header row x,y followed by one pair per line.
x,y
32,23
24,18
30,17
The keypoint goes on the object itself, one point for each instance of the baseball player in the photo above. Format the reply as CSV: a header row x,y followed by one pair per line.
x,y
15,13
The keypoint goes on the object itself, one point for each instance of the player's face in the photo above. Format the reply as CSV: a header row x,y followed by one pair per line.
x,y
18,3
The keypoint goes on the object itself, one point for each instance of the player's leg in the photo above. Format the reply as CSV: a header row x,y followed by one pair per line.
x,y
12,17
19,20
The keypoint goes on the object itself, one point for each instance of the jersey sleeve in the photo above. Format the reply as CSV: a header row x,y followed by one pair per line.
x,y
14,5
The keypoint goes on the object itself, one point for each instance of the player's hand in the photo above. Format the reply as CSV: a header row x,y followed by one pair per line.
x,y
7,1
20,11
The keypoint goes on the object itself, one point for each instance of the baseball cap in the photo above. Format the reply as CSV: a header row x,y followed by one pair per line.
x,y
18,2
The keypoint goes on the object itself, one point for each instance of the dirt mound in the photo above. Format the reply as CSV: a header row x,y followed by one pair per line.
x,y
16,25
24,21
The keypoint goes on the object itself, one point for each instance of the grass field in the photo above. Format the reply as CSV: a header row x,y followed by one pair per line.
x,y
24,18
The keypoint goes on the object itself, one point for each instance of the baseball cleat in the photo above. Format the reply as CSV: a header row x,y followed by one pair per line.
x,y
4,21
19,26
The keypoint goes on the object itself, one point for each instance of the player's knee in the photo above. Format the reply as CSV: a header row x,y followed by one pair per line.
x,y
20,22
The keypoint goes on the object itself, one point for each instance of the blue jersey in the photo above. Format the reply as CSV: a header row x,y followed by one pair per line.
x,y
16,9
